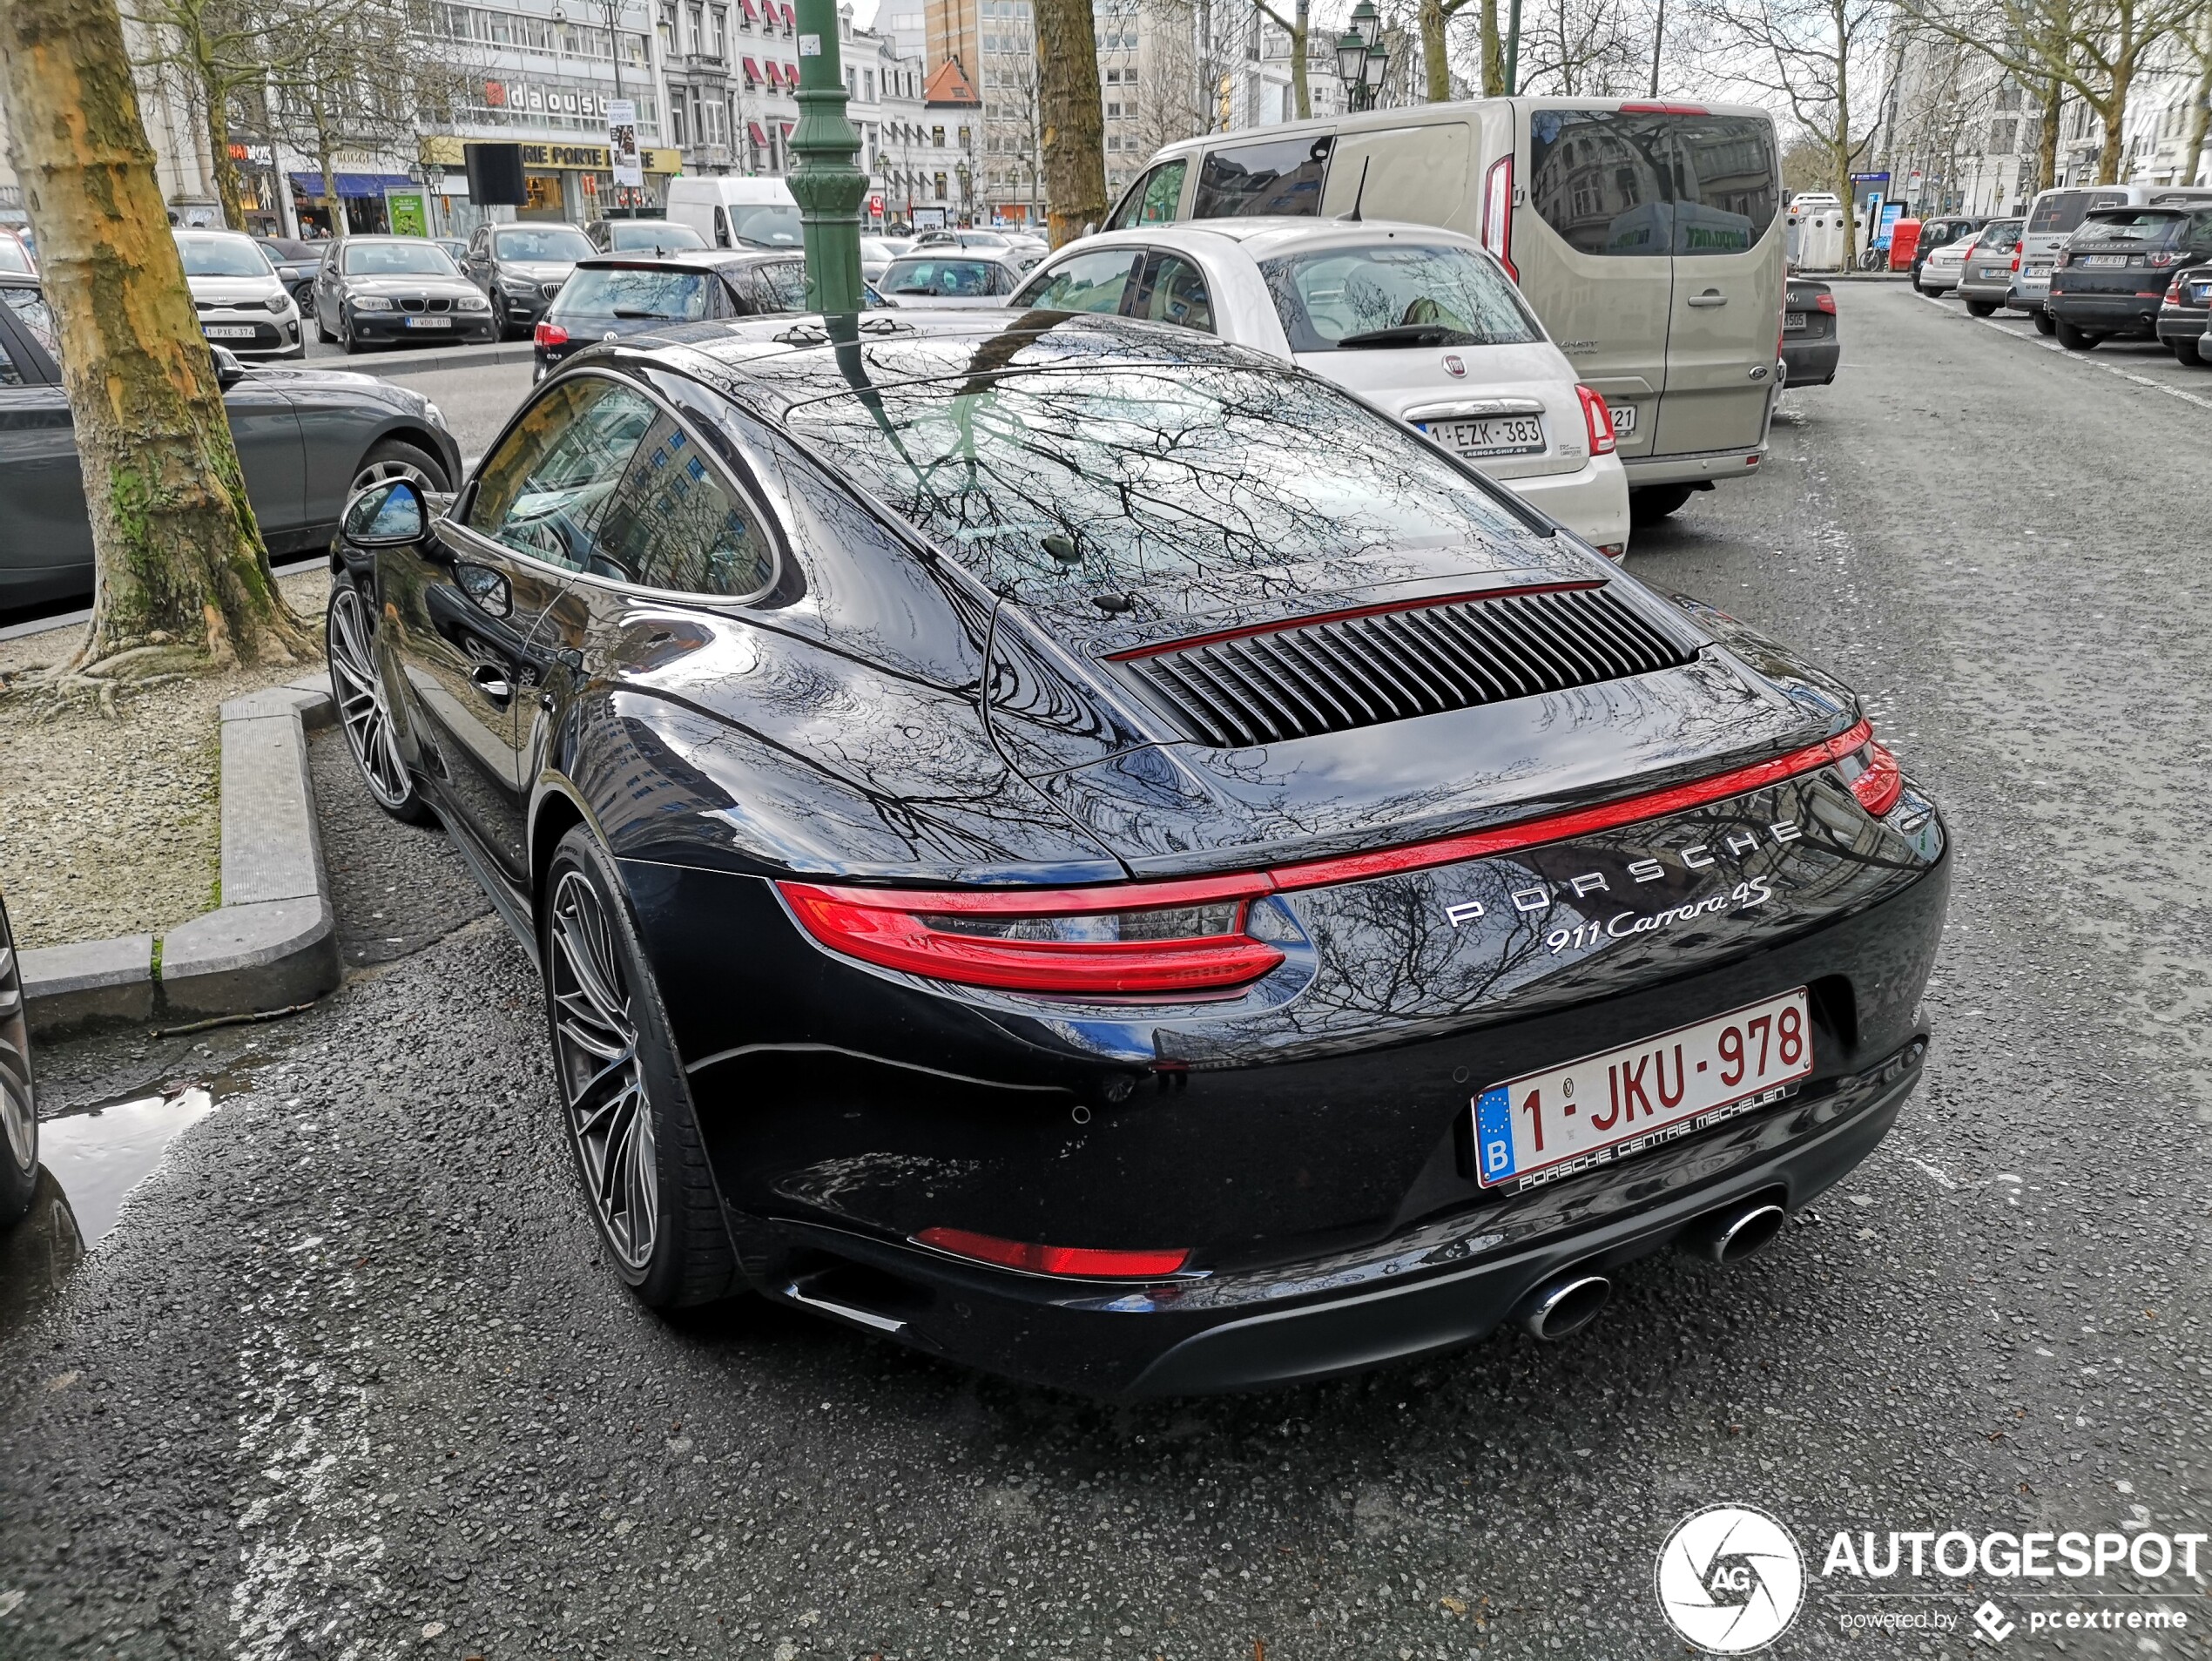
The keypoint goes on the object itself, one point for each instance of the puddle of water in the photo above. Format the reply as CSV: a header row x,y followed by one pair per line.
x,y
99,1155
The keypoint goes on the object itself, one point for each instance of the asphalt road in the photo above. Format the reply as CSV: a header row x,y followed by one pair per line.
x,y
346,1382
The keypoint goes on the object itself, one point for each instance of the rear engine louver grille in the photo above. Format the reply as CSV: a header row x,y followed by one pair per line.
x,y
1334,675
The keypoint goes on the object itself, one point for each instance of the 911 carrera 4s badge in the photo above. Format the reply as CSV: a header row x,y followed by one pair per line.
x,y
1546,1126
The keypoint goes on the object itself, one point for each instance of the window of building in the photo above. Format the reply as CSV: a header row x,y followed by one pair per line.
x,y
963,139
940,186
867,80
721,34
937,138
696,43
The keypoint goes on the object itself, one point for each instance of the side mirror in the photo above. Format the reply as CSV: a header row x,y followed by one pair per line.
x,y
390,514
228,370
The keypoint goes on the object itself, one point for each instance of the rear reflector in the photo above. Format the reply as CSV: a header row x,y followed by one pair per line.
x,y
1055,1260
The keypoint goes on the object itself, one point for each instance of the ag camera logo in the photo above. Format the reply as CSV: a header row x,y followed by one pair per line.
x,y
1730,1579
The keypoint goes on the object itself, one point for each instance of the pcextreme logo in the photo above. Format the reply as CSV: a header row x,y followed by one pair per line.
x,y
1730,1579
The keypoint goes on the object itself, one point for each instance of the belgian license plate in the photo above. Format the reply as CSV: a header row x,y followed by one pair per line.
x,y
1551,1124
1624,418
2201,294
230,331
430,322
2037,272
1493,435
2105,261
1795,322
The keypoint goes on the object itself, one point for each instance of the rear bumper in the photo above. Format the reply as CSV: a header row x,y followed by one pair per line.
x,y
1811,363
1592,502
2183,326
2110,313
1694,467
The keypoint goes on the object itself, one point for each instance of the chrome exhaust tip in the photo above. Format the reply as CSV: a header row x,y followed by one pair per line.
x,y
1732,1238
1565,1305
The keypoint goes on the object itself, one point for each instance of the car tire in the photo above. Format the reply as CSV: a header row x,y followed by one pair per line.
x,y
365,708
2185,353
347,343
2072,338
624,1097
1650,504
1981,309
323,336
19,1104
395,458
2044,323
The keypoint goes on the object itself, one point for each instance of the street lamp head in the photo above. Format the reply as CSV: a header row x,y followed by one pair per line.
x,y
1352,56
1366,23
1377,70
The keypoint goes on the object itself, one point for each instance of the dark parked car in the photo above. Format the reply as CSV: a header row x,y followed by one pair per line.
x,y
2184,312
612,296
1810,344
2112,276
18,1107
520,268
296,263
307,438
642,236
1025,862
375,289
1944,229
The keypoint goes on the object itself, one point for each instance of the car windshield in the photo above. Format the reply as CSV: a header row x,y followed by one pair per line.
x,y
767,226
2143,226
285,249
601,291
396,259
942,276
1154,474
2000,235
623,235
222,256
1394,294
551,243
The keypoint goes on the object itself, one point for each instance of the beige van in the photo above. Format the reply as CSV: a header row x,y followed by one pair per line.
x,y
1648,236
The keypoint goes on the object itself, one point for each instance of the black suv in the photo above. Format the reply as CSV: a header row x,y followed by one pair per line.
x,y
636,294
2113,274
520,268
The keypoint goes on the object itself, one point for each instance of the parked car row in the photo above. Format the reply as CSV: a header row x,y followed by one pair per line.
x,y
2110,263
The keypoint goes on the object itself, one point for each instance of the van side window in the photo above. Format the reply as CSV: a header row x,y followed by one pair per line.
x,y
1283,176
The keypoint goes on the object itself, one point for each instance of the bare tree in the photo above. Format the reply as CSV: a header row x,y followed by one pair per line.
x,y
1581,49
1822,58
181,579
1074,118
2197,46
214,53
1299,27
2096,49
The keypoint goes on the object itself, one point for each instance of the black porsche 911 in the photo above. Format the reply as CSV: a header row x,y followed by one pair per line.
x,y
1105,859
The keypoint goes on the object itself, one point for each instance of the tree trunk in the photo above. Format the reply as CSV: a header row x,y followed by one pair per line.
x,y
1435,65
2046,137
1301,86
1494,52
1073,119
215,106
2199,106
2114,114
1839,147
175,547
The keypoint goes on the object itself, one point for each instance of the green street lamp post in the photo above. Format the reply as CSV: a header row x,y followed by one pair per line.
x,y
1363,62
826,176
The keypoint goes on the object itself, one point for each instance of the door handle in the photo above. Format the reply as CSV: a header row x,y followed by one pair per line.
x,y
1709,298
492,682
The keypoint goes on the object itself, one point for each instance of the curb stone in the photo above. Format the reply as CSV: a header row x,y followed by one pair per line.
x,y
272,942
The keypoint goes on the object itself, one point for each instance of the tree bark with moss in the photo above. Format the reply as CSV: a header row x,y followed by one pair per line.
x,y
1074,120
182,578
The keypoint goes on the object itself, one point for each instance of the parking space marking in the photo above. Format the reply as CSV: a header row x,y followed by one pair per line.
x,y
2198,399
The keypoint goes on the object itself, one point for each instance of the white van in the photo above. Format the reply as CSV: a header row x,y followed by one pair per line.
x,y
1648,236
736,213
2055,214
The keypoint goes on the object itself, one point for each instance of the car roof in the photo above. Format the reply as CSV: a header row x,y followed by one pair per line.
x,y
1262,236
684,259
775,363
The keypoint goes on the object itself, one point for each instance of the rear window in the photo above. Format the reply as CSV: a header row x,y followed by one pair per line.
x,y
1395,294
1284,176
950,278
2063,211
622,236
1156,476
1649,182
222,256
679,296
2142,227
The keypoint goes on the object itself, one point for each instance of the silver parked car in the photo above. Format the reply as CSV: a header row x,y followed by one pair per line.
x,y
1990,269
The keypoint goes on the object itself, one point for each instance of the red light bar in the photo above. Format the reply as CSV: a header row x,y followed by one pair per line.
x,y
1055,1260
1647,108
892,926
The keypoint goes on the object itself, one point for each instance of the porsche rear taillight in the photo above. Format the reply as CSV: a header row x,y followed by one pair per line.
x,y
1103,941
1597,421
1094,1261
1873,775
1497,214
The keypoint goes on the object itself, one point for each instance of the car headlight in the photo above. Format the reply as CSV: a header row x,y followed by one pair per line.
x,y
520,287
372,303
436,416
472,301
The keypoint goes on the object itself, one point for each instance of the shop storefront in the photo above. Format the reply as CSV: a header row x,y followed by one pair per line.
x,y
361,196
563,182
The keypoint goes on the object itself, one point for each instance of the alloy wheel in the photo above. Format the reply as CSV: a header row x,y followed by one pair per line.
x,y
389,468
362,707
18,1113
603,1080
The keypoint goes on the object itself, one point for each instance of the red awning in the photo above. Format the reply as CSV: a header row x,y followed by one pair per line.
x,y
751,10
791,16
759,133
788,130
751,71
